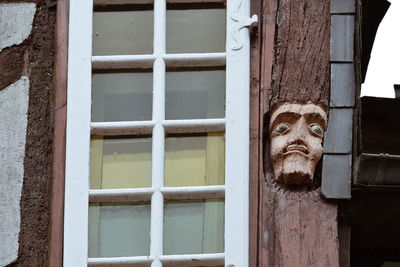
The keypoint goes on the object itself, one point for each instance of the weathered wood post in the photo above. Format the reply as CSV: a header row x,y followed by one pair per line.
x,y
297,226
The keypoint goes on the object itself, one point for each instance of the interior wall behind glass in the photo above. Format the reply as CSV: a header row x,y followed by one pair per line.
x,y
122,32
119,229
122,96
120,162
196,30
194,226
195,160
195,94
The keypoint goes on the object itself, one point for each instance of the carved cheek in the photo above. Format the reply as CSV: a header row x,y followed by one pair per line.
x,y
276,155
277,145
315,147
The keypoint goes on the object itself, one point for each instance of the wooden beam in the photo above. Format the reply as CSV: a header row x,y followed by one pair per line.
x,y
297,226
301,68
254,164
60,117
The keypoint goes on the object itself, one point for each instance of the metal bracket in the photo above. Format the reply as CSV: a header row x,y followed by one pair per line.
x,y
245,21
241,22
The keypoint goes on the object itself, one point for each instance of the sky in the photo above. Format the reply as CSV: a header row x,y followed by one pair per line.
x,y
384,65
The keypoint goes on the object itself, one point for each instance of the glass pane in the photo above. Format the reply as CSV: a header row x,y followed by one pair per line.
x,y
119,229
195,160
122,96
195,94
122,32
194,226
196,30
120,162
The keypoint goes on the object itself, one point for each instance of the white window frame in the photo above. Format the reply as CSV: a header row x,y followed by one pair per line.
x,y
80,128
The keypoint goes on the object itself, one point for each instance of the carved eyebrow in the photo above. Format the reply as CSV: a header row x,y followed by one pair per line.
x,y
289,117
315,117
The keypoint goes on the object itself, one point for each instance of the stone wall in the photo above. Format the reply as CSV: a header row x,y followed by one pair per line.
x,y
26,105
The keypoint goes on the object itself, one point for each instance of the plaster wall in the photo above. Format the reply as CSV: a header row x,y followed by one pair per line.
x,y
13,122
15,26
26,126
15,23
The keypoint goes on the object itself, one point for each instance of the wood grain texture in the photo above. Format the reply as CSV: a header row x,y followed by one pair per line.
x,y
305,230
301,228
255,132
297,227
267,30
301,69
344,248
60,117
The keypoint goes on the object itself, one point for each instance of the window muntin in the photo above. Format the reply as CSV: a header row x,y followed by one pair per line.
x,y
234,125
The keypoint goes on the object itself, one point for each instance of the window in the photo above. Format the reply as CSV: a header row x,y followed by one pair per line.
x,y
157,134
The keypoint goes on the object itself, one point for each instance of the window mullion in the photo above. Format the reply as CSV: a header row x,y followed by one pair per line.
x,y
209,259
157,201
122,127
120,261
121,2
120,195
194,192
194,126
146,127
195,60
78,135
237,134
160,15
122,61
156,234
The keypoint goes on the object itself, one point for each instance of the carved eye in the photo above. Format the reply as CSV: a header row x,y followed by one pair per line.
x,y
317,129
281,128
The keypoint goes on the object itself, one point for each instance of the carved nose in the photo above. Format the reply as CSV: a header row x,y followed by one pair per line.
x,y
299,131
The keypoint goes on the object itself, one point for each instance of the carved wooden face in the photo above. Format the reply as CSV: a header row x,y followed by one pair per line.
x,y
296,132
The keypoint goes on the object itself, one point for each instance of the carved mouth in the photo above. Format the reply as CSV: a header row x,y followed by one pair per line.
x,y
296,149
